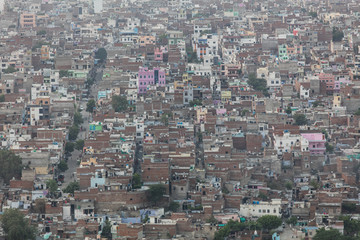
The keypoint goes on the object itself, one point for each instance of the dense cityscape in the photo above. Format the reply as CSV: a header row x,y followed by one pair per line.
x,y
187,119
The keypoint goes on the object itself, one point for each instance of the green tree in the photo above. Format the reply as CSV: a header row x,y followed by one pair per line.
x,y
155,193
63,73
244,112
90,106
72,187
316,104
78,119
313,14
73,132
288,110
337,35
41,32
288,185
106,230
69,147
174,206
314,184
101,54
357,113
323,234
348,207
10,165
195,102
2,98
16,226
79,144
212,220
52,186
136,181
292,220
300,119
63,166
263,196
10,69
258,84
329,147
269,222
119,103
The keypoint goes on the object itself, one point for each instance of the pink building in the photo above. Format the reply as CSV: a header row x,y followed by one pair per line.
x,y
150,77
158,54
316,142
329,79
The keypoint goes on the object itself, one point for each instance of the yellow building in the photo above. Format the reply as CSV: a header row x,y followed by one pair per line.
x,y
45,52
225,96
145,40
337,101
201,114
91,161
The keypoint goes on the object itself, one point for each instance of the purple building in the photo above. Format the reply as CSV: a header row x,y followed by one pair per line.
x,y
150,77
316,142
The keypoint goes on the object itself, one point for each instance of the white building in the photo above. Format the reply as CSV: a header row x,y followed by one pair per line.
x,y
98,6
261,208
284,143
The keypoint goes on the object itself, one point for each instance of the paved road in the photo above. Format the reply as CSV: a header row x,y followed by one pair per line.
x,y
69,175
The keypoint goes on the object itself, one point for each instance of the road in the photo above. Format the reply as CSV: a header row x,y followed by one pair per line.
x,y
69,175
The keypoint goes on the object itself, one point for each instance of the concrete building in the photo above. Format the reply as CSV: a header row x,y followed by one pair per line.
x,y
261,208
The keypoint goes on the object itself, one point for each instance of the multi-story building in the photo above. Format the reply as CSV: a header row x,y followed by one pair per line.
x,y
28,20
148,77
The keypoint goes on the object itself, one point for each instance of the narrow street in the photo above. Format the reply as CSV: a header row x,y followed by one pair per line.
x,y
69,175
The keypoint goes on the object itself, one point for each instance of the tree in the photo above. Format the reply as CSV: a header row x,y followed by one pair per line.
x,y
16,226
101,54
357,113
300,119
263,196
52,186
136,181
10,165
10,69
196,102
292,220
63,73
79,144
313,14
69,147
314,184
2,98
212,219
174,206
155,192
329,147
337,35
106,230
269,222
78,119
348,207
73,132
90,106
258,84
288,185
351,226
63,166
41,32
119,103
323,234
72,187
288,110
316,103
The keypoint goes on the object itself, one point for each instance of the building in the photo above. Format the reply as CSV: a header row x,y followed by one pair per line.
x,y
261,208
148,77
28,20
